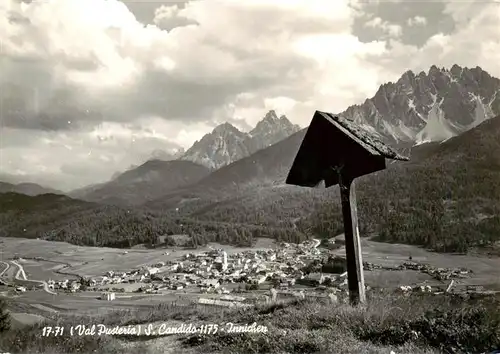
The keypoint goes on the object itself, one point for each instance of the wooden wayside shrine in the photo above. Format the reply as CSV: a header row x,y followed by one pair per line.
x,y
336,150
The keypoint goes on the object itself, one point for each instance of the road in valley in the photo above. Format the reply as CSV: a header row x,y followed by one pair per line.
x,y
21,275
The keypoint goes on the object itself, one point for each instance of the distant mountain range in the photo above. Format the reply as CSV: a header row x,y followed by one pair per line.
x,y
151,180
226,144
413,102
157,154
31,189
167,172
418,108
427,107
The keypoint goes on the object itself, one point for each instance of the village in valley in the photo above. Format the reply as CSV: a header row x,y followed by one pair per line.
x,y
210,272
214,277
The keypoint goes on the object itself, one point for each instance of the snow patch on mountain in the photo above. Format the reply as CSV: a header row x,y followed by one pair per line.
x,y
391,130
411,104
437,128
482,111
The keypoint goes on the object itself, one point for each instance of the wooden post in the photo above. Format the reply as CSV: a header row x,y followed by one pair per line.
x,y
355,277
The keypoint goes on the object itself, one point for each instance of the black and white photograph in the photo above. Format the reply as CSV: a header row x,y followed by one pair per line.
x,y
249,176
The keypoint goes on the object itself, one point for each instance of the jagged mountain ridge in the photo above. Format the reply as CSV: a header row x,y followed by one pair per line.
x,y
431,106
467,98
226,144
272,129
412,96
418,108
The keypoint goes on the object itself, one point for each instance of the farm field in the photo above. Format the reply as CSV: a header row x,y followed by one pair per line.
x,y
42,270
93,261
485,270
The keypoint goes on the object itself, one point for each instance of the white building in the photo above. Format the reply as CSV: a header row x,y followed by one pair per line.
x,y
224,260
108,296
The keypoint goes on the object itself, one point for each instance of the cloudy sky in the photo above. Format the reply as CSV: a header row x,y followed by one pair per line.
x,y
90,87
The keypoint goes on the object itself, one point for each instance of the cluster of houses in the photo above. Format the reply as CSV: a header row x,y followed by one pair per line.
x,y
436,273
208,271
205,271
72,285
213,272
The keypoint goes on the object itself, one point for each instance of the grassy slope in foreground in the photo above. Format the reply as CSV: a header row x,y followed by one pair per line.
x,y
431,324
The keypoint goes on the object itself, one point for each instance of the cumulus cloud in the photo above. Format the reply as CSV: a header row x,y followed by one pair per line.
x,y
170,17
417,21
88,89
392,30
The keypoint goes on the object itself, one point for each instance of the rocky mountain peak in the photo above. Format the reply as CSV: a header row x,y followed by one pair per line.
x,y
270,116
456,70
430,106
226,144
272,129
225,128
434,70
270,121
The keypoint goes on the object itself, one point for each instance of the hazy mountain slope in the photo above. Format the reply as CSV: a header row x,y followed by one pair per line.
x,y
31,189
146,182
60,218
165,155
80,193
265,167
28,216
226,144
161,155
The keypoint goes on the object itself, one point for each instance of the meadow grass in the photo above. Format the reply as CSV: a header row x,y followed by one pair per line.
x,y
423,323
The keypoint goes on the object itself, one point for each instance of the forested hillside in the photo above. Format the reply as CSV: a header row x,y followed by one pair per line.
x,y
446,198
59,218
